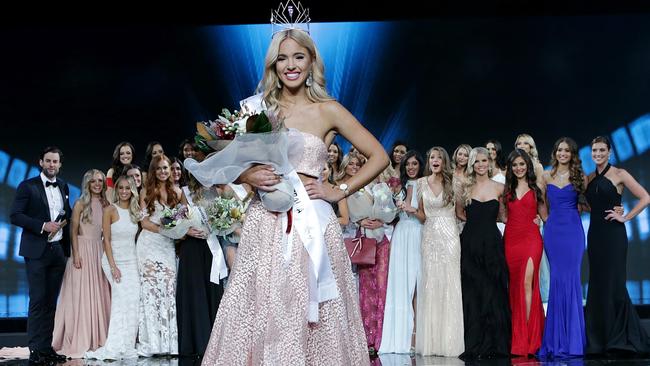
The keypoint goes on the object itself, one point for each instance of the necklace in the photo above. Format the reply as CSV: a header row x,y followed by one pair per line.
x,y
562,175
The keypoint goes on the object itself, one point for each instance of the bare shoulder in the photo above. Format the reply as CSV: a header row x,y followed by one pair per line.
x,y
108,210
622,174
78,206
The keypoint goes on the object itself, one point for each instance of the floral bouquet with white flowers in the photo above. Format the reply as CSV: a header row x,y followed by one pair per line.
x,y
216,135
175,222
259,138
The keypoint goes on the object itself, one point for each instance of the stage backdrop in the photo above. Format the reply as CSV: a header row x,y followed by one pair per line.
x,y
438,82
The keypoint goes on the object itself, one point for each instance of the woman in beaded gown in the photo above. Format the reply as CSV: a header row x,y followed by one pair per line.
x,y
612,323
268,315
440,302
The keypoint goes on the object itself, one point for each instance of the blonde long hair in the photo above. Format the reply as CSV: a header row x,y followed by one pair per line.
x,y
270,85
533,148
86,196
134,206
446,172
469,183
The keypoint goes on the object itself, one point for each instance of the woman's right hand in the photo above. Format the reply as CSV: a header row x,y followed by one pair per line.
x,y
76,261
371,224
262,177
197,233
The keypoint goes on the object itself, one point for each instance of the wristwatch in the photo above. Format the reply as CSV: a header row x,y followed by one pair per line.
x,y
344,187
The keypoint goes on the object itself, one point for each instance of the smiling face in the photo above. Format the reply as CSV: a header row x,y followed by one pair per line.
x,y
96,185
176,172
293,64
519,167
163,170
523,145
135,175
600,153
481,164
412,167
332,154
126,155
563,153
124,190
462,156
157,150
353,167
50,164
188,151
398,153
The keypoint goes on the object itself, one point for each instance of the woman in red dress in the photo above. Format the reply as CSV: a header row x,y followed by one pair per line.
x,y
523,246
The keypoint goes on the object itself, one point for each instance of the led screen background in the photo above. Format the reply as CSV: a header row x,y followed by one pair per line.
x,y
428,82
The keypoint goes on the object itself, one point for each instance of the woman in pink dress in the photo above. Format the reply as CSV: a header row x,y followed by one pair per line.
x,y
83,311
268,315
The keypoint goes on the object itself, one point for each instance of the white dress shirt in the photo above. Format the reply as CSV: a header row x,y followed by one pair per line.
x,y
55,203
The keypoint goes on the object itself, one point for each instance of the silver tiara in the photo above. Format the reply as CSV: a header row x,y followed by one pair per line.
x,y
290,15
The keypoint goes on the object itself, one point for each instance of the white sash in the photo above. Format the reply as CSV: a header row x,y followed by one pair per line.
x,y
311,228
219,269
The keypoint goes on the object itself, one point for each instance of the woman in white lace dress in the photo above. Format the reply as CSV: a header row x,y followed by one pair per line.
x,y
439,321
157,331
121,268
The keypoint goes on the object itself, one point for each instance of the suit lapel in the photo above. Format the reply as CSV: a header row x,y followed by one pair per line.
x,y
64,196
41,190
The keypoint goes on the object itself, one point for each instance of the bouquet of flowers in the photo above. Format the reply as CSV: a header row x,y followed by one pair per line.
x,y
217,134
175,222
257,136
225,215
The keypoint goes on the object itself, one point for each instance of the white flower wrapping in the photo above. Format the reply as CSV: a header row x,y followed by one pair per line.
x,y
183,225
278,149
375,202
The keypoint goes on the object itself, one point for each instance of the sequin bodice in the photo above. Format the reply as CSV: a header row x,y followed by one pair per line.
x,y
314,156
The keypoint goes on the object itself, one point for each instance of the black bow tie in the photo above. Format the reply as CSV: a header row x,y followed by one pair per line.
x,y
54,184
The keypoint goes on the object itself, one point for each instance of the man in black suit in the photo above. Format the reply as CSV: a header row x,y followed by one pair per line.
x,y
42,209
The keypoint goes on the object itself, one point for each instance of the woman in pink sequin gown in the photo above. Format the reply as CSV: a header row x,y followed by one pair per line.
x,y
263,316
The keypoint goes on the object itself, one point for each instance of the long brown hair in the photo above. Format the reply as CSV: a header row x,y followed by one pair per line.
x,y
446,172
576,174
152,187
512,181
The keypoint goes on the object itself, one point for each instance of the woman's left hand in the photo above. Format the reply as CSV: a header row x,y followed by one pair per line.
x,y
614,215
197,233
318,190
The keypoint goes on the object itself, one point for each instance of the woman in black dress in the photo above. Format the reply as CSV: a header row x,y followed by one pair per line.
x,y
197,299
612,323
484,272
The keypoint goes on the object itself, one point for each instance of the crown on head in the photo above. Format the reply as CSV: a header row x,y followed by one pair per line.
x,y
290,15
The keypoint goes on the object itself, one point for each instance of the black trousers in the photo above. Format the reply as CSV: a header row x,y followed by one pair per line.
x,y
44,276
